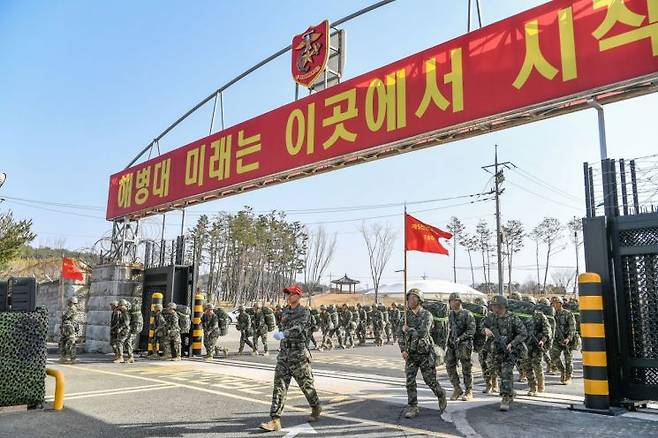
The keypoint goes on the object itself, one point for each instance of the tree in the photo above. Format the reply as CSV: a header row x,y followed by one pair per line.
x,y
484,236
513,236
457,229
562,279
575,227
379,243
318,256
549,232
470,243
13,236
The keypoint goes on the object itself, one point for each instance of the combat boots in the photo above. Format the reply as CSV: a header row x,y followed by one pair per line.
x,y
443,402
488,388
412,412
118,360
456,393
532,391
567,379
315,413
273,425
131,359
468,395
505,403
540,384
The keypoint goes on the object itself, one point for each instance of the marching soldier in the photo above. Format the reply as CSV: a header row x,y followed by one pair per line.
x,y
345,341
211,332
172,332
508,334
335,321
539,334
121,330
549,312
136,326
327,326
158,332
377,325
260,329
460,347
417,350
362,328
113,322
244,327
489,374
387,323
564,342
312,328
293,360
68,331
394,318
277,314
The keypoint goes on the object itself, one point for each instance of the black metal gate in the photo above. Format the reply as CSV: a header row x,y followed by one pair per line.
x,y
622,247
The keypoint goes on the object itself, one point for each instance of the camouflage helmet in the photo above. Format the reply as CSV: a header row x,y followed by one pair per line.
x,y
332,307
210,306
456,296
171,305
323,307
114,303
499,300
515,296
526,298
557,299
73,300
241,308
480,301
256,306
345,305
393,305
417,292
529,299
123,303
544,301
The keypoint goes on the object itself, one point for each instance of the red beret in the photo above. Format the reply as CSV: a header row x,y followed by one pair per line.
x,y
294,289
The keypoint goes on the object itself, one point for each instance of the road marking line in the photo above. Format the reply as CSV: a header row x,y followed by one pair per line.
x,y
263,402
102,394
127,388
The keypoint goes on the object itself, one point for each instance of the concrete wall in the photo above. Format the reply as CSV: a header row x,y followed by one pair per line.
x,y
108,283
49,296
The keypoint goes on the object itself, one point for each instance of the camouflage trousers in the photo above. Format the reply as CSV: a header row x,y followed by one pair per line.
x,y
460,354
500,364
336,333
361,333
262,337
387,332
244,339
292,364
119,341
326,338
394,330
310,339
377,332
129,344
532,366
556,358
67,347
348,339
482,358
169,340
427,365
210,343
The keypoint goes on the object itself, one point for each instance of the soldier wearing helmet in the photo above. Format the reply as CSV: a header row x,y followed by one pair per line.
x,y
293,360
417,348
345,337
326,326
394,316
539,335
508,334
378,325
362,328
172,335
565,340
460,347
244,326
68,331
515,296
121,329
259,327
136,325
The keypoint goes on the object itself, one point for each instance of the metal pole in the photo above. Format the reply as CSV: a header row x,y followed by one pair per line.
x,y
498,233
221,108
248,72
477,5
575,242
182,223
624,193
212,117
588,206
602,139
468,24
296,91
404,292
636,202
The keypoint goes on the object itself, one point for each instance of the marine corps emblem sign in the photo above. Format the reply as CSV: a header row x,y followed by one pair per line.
x,y
310,52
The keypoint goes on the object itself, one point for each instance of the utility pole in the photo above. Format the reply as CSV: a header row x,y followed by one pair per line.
x,y
498,181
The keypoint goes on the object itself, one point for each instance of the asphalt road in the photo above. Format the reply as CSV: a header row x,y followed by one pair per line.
x,y
362,391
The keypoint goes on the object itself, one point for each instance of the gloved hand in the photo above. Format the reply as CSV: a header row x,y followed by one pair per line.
x,y
279,336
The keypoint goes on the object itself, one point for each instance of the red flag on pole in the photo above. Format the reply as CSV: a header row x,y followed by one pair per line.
x,y
70,270
424,238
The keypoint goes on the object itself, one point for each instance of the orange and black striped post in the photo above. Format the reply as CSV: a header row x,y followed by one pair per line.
x,y
156,299
595,371
197,331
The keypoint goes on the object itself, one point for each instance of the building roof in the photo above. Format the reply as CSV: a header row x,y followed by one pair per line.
x,y
429,287
345,280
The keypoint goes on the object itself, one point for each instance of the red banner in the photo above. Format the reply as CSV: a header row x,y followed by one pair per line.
x,y
70,269
422,237
558,49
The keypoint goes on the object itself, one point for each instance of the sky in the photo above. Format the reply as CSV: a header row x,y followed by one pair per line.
x,y
86,85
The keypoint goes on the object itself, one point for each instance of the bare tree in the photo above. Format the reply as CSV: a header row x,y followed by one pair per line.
x,y
470,244
562,278
513,235
318,256
379,243
484,236
457,229
549,231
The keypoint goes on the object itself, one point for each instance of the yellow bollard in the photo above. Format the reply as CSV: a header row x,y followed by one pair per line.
x,y
58,403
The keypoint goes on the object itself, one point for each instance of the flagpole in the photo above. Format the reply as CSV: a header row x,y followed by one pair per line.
x,y
405,264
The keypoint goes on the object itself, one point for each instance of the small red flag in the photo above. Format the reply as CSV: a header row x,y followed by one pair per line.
x,y
70,270
424,238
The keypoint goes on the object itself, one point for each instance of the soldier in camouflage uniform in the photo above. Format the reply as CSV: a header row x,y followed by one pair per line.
x,y
136,326
335,319
293,360
549,312
564,341
345,341
259,326
172,332
210,325
68,331
121,329
460,347
489,375
326,326
310,329
539,334
417,348
362,328
244,327
277,314
507,347
113,321
394,318
386,331
377,318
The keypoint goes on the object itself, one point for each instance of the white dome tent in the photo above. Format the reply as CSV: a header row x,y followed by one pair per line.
x,y
432,289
